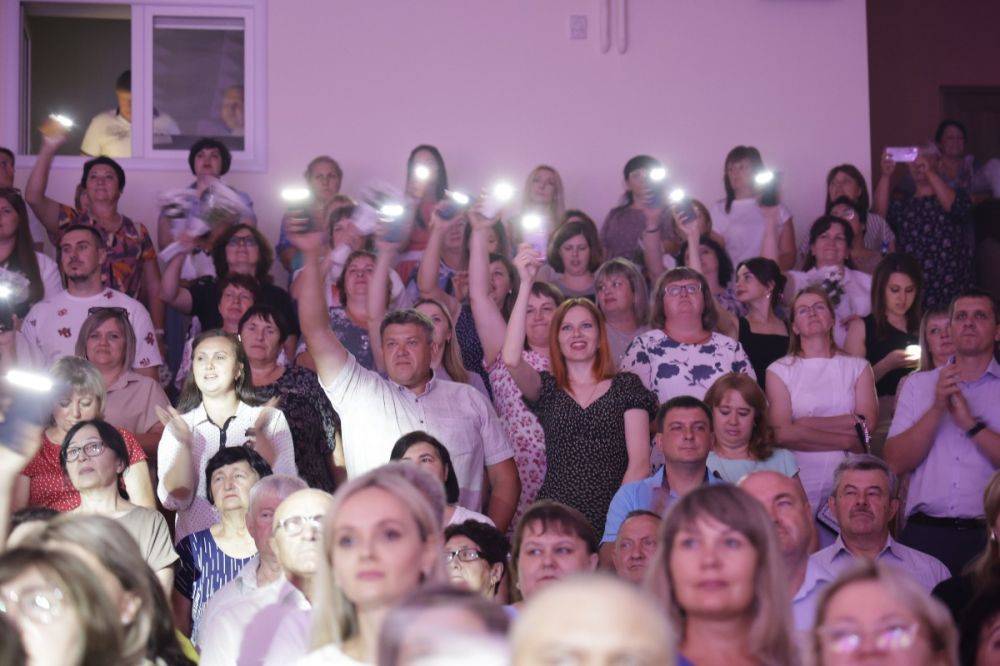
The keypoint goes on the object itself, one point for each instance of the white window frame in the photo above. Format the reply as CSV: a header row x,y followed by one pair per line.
x,y
144,156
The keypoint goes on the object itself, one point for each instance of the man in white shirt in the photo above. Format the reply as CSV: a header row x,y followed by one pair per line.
x,y
785,500
257,585
864,502
375,411
51,327
281,630
110,132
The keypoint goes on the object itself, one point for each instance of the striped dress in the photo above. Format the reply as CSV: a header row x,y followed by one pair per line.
x,y
203,568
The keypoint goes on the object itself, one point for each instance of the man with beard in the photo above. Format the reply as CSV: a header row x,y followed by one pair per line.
x,y
51,327
864,502
785,501
297,540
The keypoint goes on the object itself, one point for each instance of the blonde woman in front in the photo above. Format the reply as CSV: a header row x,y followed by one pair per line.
x,y
382,540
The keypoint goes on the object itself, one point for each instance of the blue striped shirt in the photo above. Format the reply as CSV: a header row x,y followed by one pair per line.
x,y
203,569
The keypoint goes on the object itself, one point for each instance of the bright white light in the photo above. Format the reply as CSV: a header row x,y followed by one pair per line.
x,y
460,198
5,291
912,352
391,210
503,192
421,172
764,178
295,194
29,380
63,120
677,195
531,221
656,174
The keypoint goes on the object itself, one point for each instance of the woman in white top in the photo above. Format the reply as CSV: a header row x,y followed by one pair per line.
x,y
383,540
17,252
431,455
829,266
682,355
741,218
217,408
821,400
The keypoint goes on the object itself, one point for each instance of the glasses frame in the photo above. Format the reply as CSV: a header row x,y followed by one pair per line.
x,y
77,450
450,555
25,601
315,521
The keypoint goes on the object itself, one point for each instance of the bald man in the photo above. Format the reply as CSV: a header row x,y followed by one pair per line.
x,y
570,619
785,501
297,542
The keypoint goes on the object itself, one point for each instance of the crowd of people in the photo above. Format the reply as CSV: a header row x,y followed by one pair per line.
x,y
501,434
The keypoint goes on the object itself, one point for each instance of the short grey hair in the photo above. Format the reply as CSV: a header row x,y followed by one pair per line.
x,y
865,462
278,486
80,375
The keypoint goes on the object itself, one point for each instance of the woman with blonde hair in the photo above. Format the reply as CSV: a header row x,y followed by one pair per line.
x,y
382,540
595,420
878,614
822,401
542,210
720,574
743,442
623,298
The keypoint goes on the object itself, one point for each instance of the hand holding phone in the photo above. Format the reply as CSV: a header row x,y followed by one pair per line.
x,y
903,153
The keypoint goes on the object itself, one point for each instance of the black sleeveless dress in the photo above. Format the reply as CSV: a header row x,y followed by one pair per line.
x,y
763,349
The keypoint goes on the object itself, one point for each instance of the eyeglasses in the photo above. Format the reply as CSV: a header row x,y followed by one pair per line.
x,y
294,525
847,639
102,309
242,241
463,555
39,603
678,289
815,308
92,449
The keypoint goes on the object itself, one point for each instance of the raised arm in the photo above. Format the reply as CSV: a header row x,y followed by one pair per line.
x,y
490,324
171,291
314,319
430,262
769,244
944,193
178,476
378,295
786,246
46,210
881,201
527,261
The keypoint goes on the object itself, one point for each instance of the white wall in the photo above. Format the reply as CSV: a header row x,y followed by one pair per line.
x,y
498,86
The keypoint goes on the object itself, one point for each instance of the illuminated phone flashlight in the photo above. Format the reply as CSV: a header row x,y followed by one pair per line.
x,y
500,195
62,119
657,174
29,380
422,172
912,352
531,221
5,291
461,198
677,195
764,178
391,211
295,195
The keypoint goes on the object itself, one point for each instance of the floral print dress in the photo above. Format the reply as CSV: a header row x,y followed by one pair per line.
x,y
521,427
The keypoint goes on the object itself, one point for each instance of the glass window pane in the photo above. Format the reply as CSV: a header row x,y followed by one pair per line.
x,y
198,79
73,55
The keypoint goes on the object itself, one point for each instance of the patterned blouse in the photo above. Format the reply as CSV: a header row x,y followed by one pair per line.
x,y
521,427
670,368
941,241
128,249
312,420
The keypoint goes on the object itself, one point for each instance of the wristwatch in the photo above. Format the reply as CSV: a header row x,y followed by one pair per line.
x,y
975,430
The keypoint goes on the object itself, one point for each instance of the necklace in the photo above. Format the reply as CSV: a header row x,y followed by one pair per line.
x,y
590,396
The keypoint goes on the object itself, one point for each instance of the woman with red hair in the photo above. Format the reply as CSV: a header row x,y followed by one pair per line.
x,y
596,421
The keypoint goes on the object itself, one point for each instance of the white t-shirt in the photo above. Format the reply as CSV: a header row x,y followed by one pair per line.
x,y
110,134
51,277
743,226
51,328
819,387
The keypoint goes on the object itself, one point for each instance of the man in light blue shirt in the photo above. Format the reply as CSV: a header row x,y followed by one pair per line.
x,y
684,437
864,503
946,432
